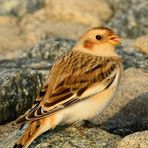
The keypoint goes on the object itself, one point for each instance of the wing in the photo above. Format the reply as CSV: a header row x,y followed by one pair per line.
x,y
73,78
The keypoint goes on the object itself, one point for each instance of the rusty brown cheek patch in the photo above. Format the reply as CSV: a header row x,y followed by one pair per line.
x,y
88,44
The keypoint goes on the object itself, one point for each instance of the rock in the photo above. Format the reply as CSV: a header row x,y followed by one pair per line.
x,y
128,112
5,20
132,58
67,137
82,11
141,43
27,7
7,6
62,22
39,19
10,37
135,140
50,49
21,79
20,7
6,129
132,25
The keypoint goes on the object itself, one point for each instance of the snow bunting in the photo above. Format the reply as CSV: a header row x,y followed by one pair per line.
x,y
81,84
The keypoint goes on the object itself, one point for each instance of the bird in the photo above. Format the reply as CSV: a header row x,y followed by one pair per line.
x,y
80,85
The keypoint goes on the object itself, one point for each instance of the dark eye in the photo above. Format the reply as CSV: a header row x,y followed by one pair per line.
x,y
98,37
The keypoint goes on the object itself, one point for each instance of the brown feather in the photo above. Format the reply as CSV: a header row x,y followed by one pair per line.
x,y
72,74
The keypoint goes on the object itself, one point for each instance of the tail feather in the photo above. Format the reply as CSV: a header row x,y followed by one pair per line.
x,y
35,129
17,146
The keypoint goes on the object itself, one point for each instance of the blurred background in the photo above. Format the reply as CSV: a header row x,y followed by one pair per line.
x,y
25,22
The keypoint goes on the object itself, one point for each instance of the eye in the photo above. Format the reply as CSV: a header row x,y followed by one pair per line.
x,y
98,37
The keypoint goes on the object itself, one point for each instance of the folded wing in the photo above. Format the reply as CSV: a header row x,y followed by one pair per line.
x,y
73,78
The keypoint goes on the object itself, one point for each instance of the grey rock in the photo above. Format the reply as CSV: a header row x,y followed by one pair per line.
x,y
27,6
133,58
50,49
129,19
67,137
20,81
130,119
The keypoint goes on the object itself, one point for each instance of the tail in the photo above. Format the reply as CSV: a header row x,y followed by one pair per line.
x,y
35,129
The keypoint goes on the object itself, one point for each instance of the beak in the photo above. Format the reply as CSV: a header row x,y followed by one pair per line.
x,y
115,40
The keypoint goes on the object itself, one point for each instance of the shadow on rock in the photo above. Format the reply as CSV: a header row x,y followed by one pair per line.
x,y
131,118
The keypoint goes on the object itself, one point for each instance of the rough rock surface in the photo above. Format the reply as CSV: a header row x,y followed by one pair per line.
x,y
135,140
50,49
129,19
67,137
18,81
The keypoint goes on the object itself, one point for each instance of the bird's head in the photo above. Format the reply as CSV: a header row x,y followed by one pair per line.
x,y
98,36
98,39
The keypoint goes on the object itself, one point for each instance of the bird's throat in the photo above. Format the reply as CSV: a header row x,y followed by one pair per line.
x,y
106,50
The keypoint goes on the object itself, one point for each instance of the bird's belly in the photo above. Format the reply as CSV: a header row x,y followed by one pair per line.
x,y
88,108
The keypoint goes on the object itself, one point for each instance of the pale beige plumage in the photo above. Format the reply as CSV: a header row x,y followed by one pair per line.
x,y
80,85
